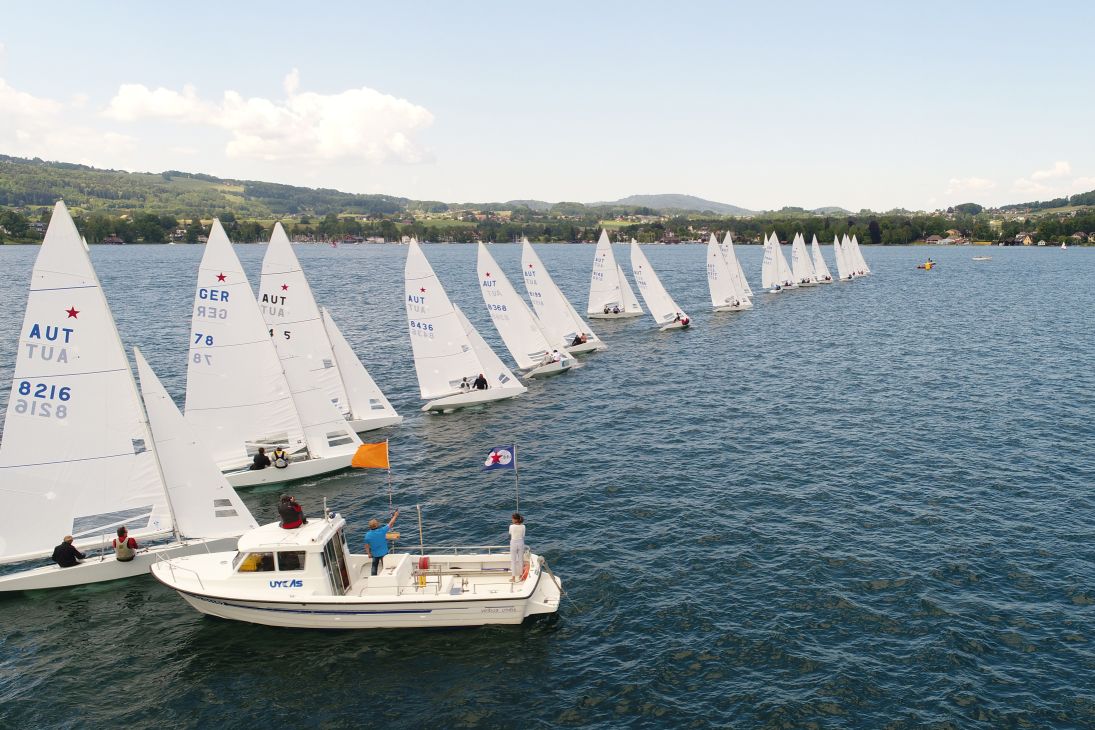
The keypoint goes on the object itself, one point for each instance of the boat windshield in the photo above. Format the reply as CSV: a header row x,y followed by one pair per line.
x,y
334,558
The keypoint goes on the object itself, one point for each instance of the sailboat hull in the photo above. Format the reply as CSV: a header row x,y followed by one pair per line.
x,y
100,570
361,425
471,398
305,469
591,346
552,368
611,315
733,307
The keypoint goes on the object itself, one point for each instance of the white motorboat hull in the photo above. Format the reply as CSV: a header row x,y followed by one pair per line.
x,y
591,346
552,368
304,469
99,569
471,398
610,315
500,603
361,425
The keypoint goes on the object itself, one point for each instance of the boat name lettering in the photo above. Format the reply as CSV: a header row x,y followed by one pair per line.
x,y
272,299
45,410
51,333
42,390
213,295
500,609
210,312
295,583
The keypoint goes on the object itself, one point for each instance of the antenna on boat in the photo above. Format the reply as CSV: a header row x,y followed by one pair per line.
x,y
421,541
516,478
326,512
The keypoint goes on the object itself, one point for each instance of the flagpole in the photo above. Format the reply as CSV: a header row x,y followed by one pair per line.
x,y
516,478
389,460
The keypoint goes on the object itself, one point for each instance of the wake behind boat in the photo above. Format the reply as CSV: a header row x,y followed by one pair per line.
x,y
308,578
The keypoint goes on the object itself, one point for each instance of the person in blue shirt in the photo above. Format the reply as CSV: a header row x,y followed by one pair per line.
x,y
376,541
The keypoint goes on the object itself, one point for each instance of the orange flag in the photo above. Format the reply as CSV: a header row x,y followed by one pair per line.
x,y
371,456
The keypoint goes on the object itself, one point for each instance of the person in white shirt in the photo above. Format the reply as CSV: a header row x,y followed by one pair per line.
x,y
516,547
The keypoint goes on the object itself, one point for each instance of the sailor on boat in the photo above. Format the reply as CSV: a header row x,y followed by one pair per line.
x,y
465,386
480,383
125,547
376,541
261,460
685,321
292,514
66,555
517,548
281,458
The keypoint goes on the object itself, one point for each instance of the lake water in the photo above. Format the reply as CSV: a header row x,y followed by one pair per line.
x,y
863,505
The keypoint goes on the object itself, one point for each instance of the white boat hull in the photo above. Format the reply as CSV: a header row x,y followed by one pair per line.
x,y
674,326
732,307
361,425
825,281
96,569
552,368
591,346
610,315
304,469
471,398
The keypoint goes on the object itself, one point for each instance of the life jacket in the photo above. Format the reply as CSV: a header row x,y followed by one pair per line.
x,y
280,459
122,552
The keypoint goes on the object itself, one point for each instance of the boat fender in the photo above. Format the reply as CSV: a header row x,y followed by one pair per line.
x,y
524,573
424,562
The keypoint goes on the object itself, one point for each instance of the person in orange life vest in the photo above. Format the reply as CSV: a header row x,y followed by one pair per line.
x,y
292,515
125,547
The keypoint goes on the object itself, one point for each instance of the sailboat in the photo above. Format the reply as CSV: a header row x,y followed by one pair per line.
x,y
557,316
843,267
859,264
736,272
775,273
300,330
725,294
449,354
526,340
610,296
801,268
662,307
80,456
1064,245
784,274
821,270
242,394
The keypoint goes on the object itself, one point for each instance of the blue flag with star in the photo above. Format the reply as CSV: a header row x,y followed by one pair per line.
x,y
501,457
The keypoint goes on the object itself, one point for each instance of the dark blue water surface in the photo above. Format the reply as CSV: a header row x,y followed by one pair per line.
x,y
863,505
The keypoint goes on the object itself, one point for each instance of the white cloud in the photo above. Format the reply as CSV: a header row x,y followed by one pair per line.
x,y
968,185
1024,185
33,126
357,123
1083,184
1059,169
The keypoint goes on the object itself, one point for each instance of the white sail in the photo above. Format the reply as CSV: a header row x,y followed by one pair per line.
x,y
768,274
604,286
443,353
515,322
203,504
369,409
732,261
801,268
821,271
661,305
631,302
860,262
76,457
556,314
783,270
294,320
843,267
720,279
490,365
237,395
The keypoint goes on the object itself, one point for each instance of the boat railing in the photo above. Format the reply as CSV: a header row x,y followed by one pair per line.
x,y
172,568
462,549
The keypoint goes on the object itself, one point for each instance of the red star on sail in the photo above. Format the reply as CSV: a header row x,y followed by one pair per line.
x,y
220,277
488,273
423,290
285,287
72,312
530,266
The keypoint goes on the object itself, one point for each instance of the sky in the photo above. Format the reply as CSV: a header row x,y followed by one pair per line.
x,y
915,105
